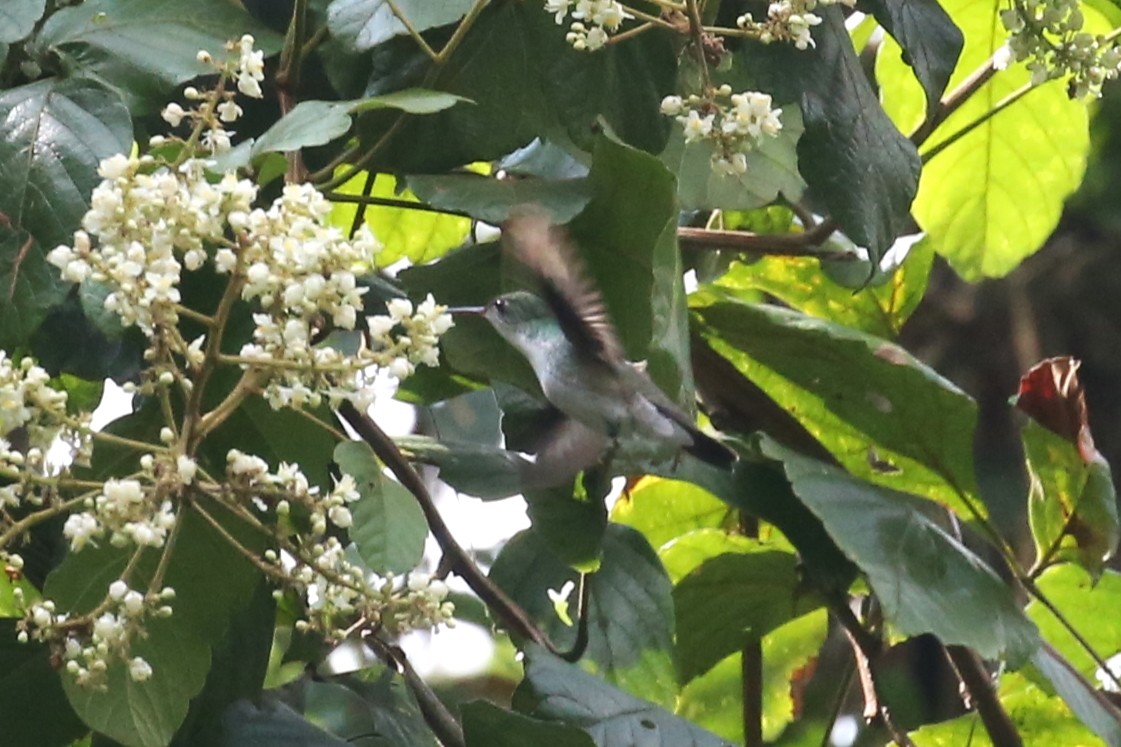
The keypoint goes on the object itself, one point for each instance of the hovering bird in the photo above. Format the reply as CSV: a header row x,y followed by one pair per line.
x,y
609,404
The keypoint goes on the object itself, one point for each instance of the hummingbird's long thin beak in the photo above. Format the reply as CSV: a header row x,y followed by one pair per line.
x,y
467,310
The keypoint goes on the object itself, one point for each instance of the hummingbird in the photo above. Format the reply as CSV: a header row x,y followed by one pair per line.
x,y
606,403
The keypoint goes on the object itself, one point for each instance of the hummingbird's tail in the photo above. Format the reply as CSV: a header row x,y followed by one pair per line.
x,y
708,449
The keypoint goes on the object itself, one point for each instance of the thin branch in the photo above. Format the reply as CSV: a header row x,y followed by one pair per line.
x,y
953,100
805,244
1000,106
583,612
456,558
439,719
413,33
983,697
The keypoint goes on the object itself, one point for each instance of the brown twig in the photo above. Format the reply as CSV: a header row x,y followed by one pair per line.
x,y
805,244
435,713
512,616
983,697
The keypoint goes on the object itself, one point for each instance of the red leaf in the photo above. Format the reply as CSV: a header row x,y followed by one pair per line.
x,y
1051,394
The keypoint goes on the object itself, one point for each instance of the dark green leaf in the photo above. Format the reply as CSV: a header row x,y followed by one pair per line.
x,y
312,123
364,24
237,669
212,584
374,703
851,155
18,17
628,235
482,471
273,724
630,614
556,691
884,415
570,522
926,580
735,598
52,135
389,527
491,200
931,42
29,287
30,687
144,48
487,725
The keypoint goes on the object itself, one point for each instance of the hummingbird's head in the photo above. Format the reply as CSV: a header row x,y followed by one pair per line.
x,y
520,317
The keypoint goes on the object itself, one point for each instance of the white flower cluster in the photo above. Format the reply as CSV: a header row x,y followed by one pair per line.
x,y
422,330
788,21
88,647
736,123
593,21
151,221
128,511
289,485
215,109
1048,33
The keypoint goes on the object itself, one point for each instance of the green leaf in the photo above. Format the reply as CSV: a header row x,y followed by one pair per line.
x,y
732,599
416,235
628,236
802,283
270,723
30,687
487,725
389,526
492,200
556,691
630,617
18,19
888,419
364,24
664,510
931,42
1039,718
1072,504
486,472
1089,605
373,702
1092,707
851,154
993,197
312,123
212,583
715,699
687,552
571,522
53,133
772,170
29,288
926,580
144,48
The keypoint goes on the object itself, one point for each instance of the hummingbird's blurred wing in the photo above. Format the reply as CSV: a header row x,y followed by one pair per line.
x,y
568,447
564,285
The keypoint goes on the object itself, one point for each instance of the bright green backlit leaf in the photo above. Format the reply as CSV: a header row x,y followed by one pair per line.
x,y
1092,609
991,198
663,510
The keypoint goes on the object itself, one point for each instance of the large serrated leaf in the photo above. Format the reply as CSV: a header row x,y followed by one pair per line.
x,y
991,198
487,725
29,288
630,628
18,18
927,581
52,135
851,154
492,200
144,48
664,510
885,416
556,691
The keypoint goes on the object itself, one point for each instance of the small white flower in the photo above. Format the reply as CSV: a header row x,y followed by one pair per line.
x,y
139,670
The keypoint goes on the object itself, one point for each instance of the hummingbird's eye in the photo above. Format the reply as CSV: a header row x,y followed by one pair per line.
x,y
501,305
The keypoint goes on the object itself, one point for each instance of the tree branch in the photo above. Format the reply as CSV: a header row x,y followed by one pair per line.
x,y
455,557
983,697
805,244
435,713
